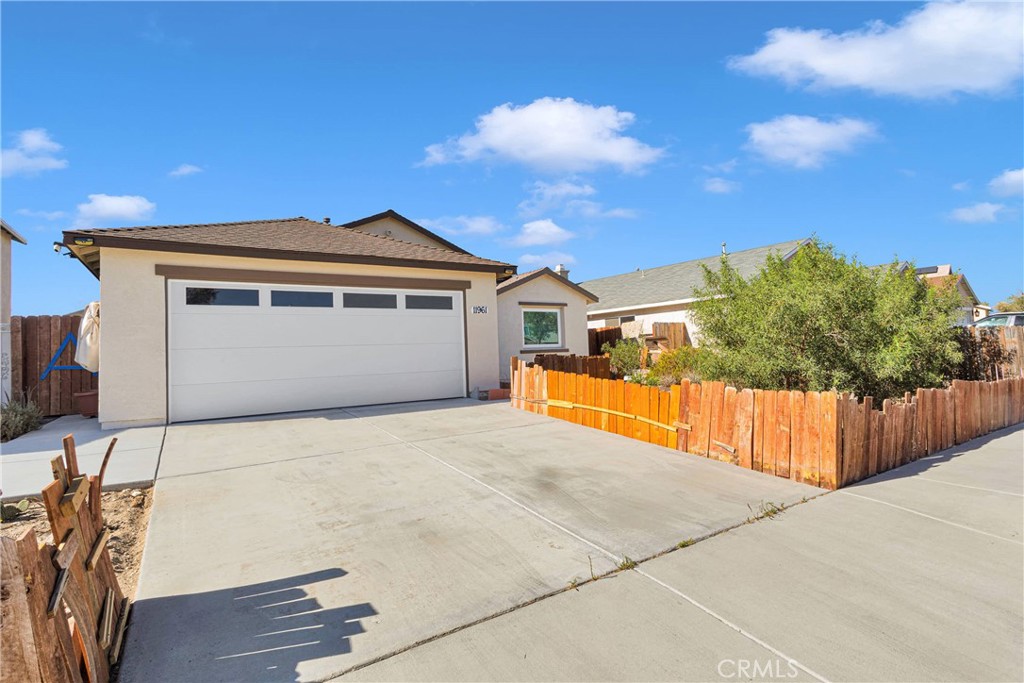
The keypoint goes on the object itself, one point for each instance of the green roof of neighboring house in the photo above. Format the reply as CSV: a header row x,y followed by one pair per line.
x,y
675,282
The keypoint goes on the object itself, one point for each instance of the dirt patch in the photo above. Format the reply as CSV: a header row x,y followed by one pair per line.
x,y
126,513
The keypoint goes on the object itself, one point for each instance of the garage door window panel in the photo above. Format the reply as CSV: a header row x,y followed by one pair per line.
x,y
542,327
363,300
221,296
428,302
301,299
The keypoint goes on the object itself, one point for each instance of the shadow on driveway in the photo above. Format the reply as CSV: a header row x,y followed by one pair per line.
x,y
258,632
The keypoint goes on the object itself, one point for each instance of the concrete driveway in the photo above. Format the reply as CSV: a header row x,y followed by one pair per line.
x,y
300,547
437,541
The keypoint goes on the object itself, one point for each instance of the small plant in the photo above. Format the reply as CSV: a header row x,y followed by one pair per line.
x,y
574,584
593,577
627,563
766,510
626,356
685,544
19,416
9,513
674,366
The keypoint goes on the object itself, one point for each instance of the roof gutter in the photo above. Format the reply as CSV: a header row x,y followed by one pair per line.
x,y
635,307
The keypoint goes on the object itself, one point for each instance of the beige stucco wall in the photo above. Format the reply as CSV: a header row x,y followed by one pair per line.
x,y
510,320
133,376
389,227
5,277
5,316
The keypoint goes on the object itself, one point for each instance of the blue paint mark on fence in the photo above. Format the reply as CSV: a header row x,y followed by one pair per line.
x,y
70,339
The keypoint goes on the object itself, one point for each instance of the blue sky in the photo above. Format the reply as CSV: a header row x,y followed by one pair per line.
x,y
609,136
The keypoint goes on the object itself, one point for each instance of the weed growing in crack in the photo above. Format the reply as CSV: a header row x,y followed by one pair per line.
x,y
766,509
685,544
627,563
574,584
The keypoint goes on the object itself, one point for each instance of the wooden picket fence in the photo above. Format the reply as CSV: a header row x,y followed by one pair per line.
x,y
824,439
595,366
34,341
598,337
63,611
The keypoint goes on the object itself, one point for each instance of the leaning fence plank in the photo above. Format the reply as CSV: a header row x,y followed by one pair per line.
x,y
757,448
831,435
683,415
17,642
744,436
797,436
769,423
54,647
783,443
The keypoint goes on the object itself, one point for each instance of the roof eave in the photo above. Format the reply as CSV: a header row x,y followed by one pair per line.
x,y
391,213
509,286
255,252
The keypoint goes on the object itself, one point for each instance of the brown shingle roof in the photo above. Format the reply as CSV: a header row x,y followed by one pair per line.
x,y
287,238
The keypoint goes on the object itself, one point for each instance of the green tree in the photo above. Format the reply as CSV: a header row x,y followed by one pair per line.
x,y
820,322
1014,302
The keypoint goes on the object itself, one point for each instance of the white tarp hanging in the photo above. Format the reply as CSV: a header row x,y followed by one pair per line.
x,y
87,352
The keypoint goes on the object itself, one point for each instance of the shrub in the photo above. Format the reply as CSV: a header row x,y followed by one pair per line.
x,y
819,321
676,365
982,355
626,356
19,416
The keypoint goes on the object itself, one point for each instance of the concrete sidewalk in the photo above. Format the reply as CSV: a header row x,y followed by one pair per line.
x,y
915,575
25,461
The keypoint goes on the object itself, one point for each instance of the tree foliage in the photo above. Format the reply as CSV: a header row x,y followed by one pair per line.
x,y
1014,302
626,356
820,321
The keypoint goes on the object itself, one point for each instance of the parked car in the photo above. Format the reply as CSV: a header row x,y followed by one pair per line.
x,y
1011,319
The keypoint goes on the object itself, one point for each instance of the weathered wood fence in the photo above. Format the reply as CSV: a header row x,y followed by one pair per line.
x,y
598,337
595,366
63,611
1011,339
670,336
35,341
824,439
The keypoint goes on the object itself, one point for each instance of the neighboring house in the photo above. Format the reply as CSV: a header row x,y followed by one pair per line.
x,y
541,312
667,293
971,308
8,236
234,319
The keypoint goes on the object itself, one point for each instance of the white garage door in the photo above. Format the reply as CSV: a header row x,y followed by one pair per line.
x,y
249,349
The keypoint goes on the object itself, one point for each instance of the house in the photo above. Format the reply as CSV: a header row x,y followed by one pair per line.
x,y
541,312
265,316
667,293
971,307
8,236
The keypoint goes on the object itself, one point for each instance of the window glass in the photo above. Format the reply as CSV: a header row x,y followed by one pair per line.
x,y
286,297
1018,321
540,328
219,296
427,302
994,321
359,300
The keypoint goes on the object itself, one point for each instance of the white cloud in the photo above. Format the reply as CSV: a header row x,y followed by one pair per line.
x,y
550,259
722,167
543,231
721,186
938,50
545,197
550,134
982,212
185,169
463,225
806,141
961,186
1008,183
113,208
565,195
586,208
45,215
33,151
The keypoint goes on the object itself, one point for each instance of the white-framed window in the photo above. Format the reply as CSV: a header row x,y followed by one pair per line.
x,y
542,327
